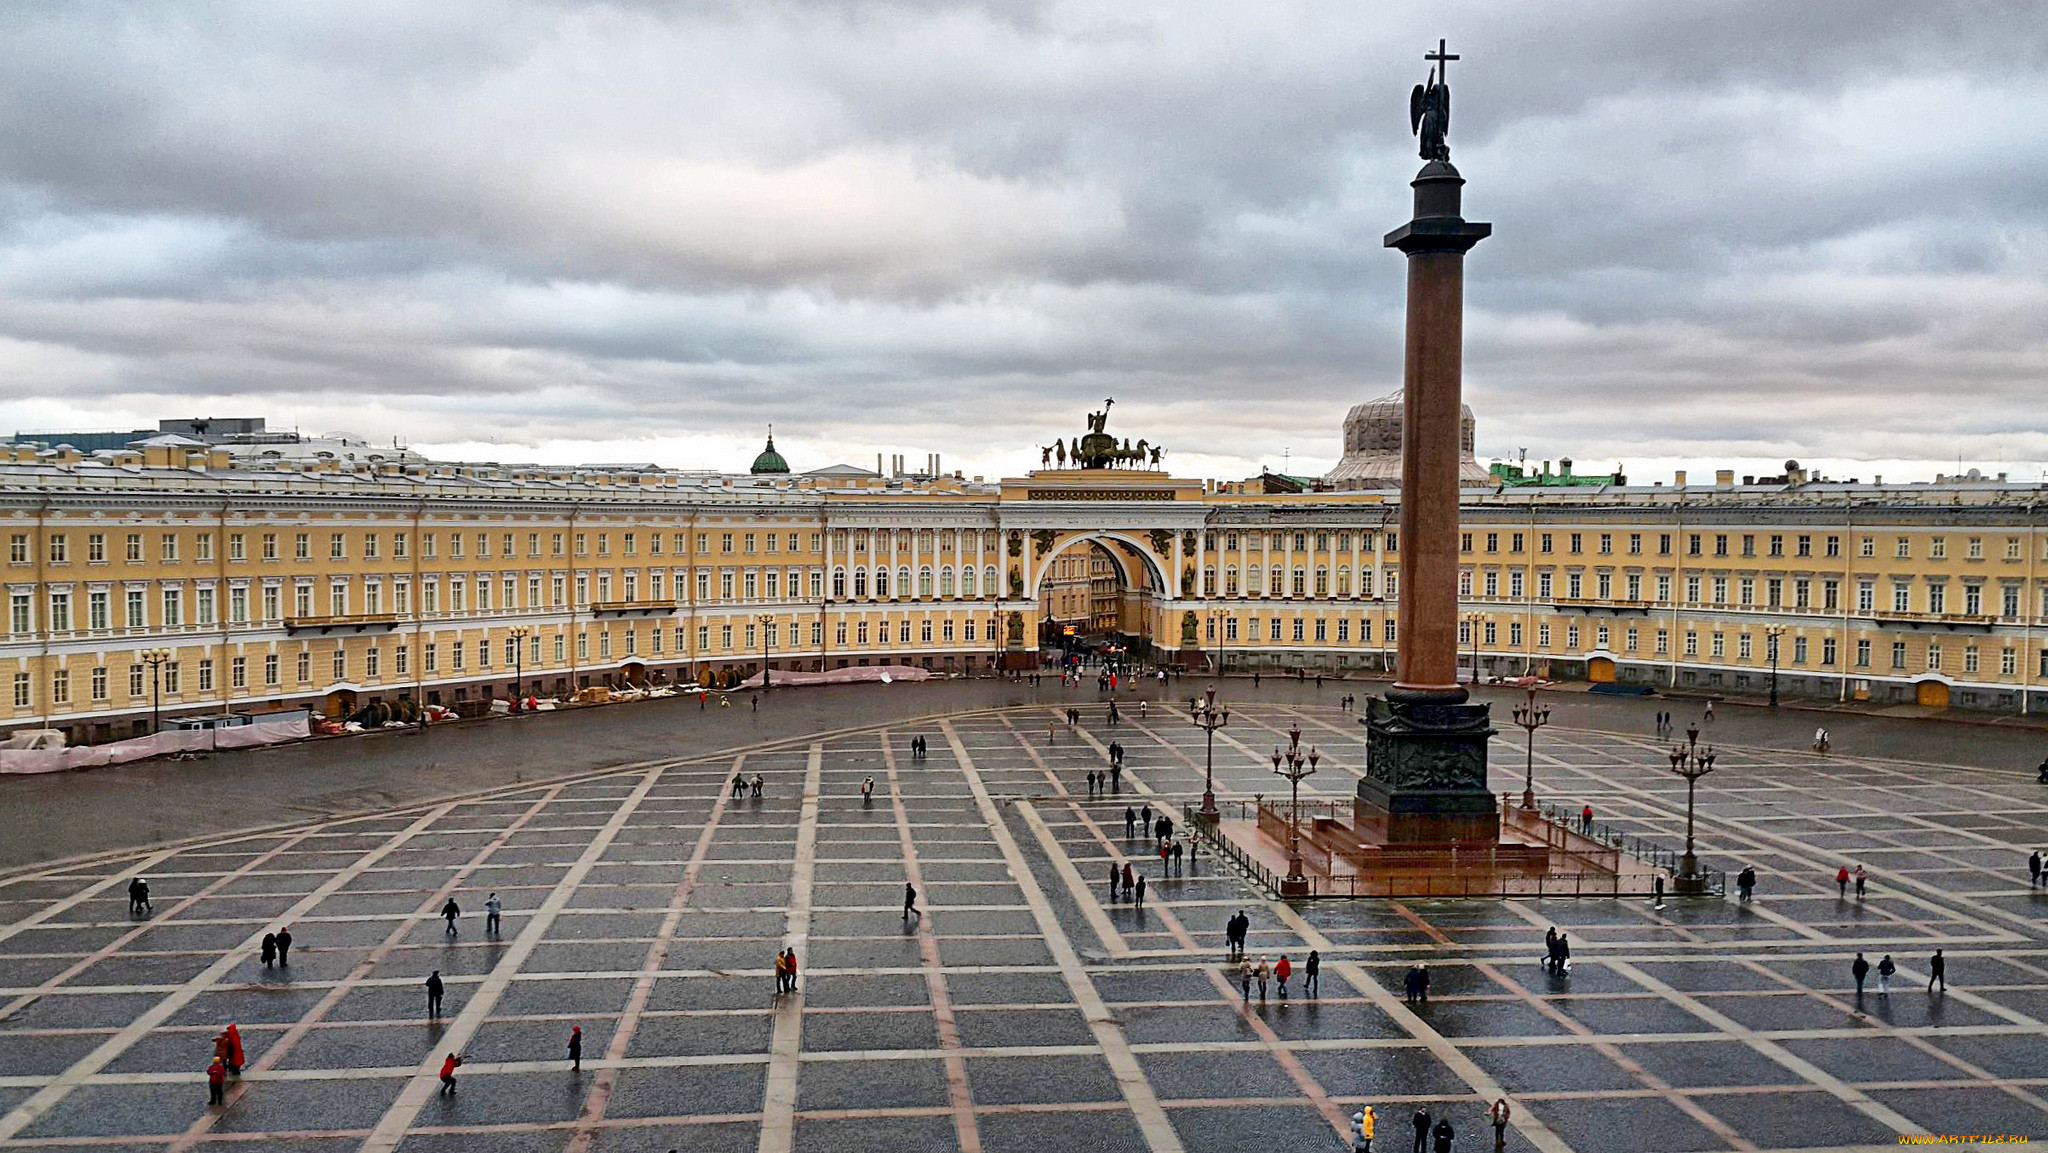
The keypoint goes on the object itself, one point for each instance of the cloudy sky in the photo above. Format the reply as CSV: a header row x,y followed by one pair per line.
x,y
1725,232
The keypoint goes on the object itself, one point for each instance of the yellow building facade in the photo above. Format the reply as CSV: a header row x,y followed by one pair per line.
x,y
192,588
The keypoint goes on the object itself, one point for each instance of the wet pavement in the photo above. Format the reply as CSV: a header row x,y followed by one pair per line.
x,y
1022,1008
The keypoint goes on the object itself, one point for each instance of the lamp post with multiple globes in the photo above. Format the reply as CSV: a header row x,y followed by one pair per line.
x,y
1771,635
156,659
1209,718
1692,762
1530,716
518,633
1295,764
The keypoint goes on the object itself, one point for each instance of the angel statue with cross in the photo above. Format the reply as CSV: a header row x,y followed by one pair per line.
x,y
1429,107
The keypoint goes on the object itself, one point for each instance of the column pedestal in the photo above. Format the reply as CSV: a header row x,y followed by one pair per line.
x,y
1426,772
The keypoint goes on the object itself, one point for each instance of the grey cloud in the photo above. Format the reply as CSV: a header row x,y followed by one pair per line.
x,y
1809,230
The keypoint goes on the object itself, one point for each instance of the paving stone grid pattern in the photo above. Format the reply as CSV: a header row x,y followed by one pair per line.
x,y
1024,1010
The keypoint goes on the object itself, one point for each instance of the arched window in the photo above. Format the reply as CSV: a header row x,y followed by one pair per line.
x,y
1300,585
1322,582
1276,582
946,581
989,585
1343,580
967,580
860,582
881,582
1230,581
924,580
1209,581
903,576
1255,582
839,584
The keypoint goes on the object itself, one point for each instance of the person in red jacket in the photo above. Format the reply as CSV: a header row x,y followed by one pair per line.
x,y
1283,970
216,1083
234,1036
1842,881
448,1068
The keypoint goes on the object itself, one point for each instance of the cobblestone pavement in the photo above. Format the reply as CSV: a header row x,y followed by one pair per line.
x,y
1023,1009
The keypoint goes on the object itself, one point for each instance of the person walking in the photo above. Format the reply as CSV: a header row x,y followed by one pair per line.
x,y
1130,822
1311,975
739,784
1937,970
1862,878
789,964
1586,819
1657,899
1244,979
1443,1135
1885,969
1422,1120
1130,879
781,975
1409,985
1842,883
1281,971
1422,980
494,914
867,791
1745,884
1564,955
576,1048
449,912
269,949
2034,869
284,946
760,782
233,1033
448,1068
910,901
138,896
1363,1123
1145,817
434,990
1859,969
1141,891
1179,851
1498,1113
1116,877
217,1082
1263,972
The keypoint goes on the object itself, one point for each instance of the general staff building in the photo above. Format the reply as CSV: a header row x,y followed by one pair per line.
x,y
215,573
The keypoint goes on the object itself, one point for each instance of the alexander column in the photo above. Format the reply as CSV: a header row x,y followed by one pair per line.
x,y
1427,746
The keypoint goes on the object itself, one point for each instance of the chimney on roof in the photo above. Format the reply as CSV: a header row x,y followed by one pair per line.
x,y
1678,478
1724,476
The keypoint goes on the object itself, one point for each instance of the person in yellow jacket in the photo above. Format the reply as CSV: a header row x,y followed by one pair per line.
x,y
1363,1123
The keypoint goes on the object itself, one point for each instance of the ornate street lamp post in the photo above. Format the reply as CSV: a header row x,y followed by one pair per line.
x,y
1472,623
1692,762
1208,719
1295,765
518,633
767,621
1771,635
1216,619
1530,716
155,659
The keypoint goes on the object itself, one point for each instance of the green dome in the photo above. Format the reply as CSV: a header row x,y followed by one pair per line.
x,y
769,461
